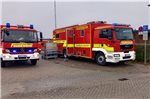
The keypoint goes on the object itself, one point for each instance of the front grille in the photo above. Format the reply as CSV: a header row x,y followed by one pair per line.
x,y
126,46
126,57
21,50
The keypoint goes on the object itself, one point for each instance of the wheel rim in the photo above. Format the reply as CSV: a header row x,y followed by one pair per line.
x,y
101,59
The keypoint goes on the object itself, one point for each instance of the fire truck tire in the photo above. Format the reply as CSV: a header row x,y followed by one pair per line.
x,y
100,59
122,62
3,64
33,62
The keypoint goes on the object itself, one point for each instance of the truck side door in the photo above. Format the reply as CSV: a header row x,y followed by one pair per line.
x,y
104,39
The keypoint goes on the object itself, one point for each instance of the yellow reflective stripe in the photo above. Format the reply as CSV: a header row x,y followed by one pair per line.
x,y
97,45
77,45
59,41
68,45
83,45
72,45
106,47
21,45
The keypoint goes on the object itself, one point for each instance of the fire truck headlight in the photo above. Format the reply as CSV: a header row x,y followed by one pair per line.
x,y
110,57
30,51
14,51
116,55
7,57
36,55
7,50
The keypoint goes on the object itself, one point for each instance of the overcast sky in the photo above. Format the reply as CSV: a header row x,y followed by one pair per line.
x,y
41,13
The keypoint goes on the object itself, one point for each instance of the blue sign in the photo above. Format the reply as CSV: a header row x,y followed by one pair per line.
x,y
145,27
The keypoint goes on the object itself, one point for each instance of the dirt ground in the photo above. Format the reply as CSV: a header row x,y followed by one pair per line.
x,y
76,79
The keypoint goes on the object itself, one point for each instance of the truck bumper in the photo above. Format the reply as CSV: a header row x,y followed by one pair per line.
x,y
116,57
15,57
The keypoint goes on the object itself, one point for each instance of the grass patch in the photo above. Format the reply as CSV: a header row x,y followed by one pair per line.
x,y
140,53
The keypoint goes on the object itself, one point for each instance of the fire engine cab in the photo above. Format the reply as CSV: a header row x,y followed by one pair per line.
x,y
97,40
18,43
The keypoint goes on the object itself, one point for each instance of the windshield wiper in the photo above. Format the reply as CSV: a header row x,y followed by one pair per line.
x,y
12,41
29,41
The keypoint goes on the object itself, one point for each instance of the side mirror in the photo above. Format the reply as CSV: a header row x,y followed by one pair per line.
x,y
6,32
41,36
110,38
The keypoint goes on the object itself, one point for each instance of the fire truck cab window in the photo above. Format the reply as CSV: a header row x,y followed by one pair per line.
x,y
106,33
81,33
57,35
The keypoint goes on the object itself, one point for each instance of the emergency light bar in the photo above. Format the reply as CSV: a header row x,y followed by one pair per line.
x,y
14,50
117,24
20,26
7,25
31,26
100,22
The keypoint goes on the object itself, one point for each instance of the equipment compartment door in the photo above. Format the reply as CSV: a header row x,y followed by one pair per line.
x,y
70,44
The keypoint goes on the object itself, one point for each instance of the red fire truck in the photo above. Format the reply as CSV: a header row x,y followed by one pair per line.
x,y
18,43
97,40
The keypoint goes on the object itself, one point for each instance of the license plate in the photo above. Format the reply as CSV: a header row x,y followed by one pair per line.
x,y
127,54
22,55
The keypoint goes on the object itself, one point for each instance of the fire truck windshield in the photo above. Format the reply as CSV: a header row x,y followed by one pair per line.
x,y
124,33
20,36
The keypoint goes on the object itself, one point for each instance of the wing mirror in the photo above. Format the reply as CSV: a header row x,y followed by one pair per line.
x,y
5,31
41,36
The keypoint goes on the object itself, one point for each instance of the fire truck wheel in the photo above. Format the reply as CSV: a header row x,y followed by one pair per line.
x,y
3,64
33,62
100,59
123,62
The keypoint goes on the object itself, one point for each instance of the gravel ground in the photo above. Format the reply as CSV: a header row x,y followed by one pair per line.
x,y
75,79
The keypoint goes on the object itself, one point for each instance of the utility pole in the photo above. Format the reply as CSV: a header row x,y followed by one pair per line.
x,y
55,14
145,56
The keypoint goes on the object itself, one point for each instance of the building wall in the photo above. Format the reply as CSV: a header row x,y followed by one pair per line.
x,y
139,38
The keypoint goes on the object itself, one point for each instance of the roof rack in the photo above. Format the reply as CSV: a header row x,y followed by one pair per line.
x,y
102,22
118,24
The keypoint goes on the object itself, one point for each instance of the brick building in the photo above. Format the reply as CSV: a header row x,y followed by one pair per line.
x,y
139,38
